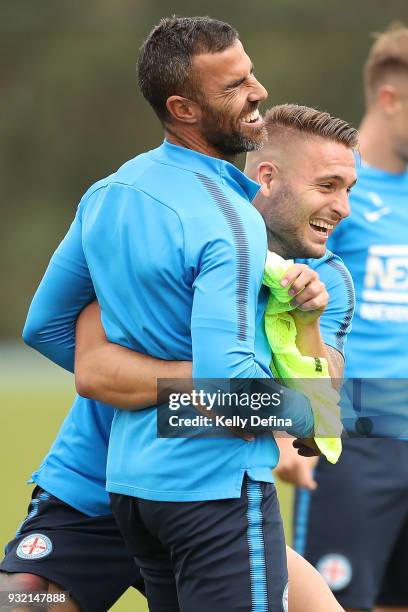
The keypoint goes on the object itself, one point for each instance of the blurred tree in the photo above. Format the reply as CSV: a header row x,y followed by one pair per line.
x,y
70,110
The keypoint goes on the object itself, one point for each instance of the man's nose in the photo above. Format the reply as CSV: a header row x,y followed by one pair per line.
x,y
342,205
258,92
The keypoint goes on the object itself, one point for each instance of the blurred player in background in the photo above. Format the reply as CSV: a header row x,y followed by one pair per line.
x,y
70,507
354,527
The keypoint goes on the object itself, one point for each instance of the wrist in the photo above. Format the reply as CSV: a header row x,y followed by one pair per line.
x,y
306,322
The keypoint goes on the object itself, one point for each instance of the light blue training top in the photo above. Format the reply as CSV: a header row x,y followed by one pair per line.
x,y
74,470
373,242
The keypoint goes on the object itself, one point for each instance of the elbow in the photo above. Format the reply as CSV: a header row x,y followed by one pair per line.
x,y
37,327
89,380
30,334
84,386
85,381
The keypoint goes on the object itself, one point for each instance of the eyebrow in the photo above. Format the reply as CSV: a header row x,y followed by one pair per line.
x,y
335,177
239,82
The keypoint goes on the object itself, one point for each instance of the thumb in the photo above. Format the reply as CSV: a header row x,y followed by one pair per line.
x,y
308,481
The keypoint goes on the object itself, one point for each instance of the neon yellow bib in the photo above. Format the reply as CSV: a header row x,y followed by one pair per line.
x,y
308,375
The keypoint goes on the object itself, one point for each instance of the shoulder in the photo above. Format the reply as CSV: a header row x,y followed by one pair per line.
x,y
330,265
336,276
337,318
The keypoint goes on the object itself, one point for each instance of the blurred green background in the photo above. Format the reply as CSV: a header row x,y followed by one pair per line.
x,y
70,113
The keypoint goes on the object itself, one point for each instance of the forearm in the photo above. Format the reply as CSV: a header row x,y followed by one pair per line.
x,y
291,413
309,340
297,410
64,291
118,376
50,324
336,366
114,374
310,343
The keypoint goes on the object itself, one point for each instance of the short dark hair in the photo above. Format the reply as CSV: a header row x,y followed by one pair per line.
x,y
165,58
308,120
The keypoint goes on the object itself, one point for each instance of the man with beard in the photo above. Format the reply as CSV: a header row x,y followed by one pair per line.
x,y
190,508
176,252
77,478
306,171
363,549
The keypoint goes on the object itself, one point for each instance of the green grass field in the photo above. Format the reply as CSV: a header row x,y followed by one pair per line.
x,y
32,409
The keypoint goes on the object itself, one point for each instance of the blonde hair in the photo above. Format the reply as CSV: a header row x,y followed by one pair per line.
x,y
310,121
388,55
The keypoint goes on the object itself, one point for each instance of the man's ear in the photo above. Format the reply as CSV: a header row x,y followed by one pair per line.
x,y
183,109
265,173
388,98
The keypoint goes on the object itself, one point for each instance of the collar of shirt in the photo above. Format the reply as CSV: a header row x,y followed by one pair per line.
x,y
364,169
212,167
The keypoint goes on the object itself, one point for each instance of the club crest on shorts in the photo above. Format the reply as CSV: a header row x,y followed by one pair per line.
x,y
285,598
336,570
34,546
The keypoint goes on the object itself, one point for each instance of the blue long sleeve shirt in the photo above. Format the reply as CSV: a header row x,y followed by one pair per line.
x,y
74,469
176,253
177,274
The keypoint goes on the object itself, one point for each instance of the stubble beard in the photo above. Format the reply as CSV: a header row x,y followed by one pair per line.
x,y
226,139
284,236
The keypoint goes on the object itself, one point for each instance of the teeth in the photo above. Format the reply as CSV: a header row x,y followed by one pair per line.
x,y
252,117
321,223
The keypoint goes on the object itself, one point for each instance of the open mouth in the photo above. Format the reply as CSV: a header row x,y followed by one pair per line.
x,y
321,227
252,118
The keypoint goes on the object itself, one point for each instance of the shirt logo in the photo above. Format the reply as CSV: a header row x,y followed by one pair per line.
x,y
34,546
374,215
385,292
336,570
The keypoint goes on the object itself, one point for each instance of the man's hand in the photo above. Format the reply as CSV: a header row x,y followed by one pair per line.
x,y
309,293
306,447
295,469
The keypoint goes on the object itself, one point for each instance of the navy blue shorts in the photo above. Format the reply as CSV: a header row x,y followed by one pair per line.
x,y
221,555
354,527
84,555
